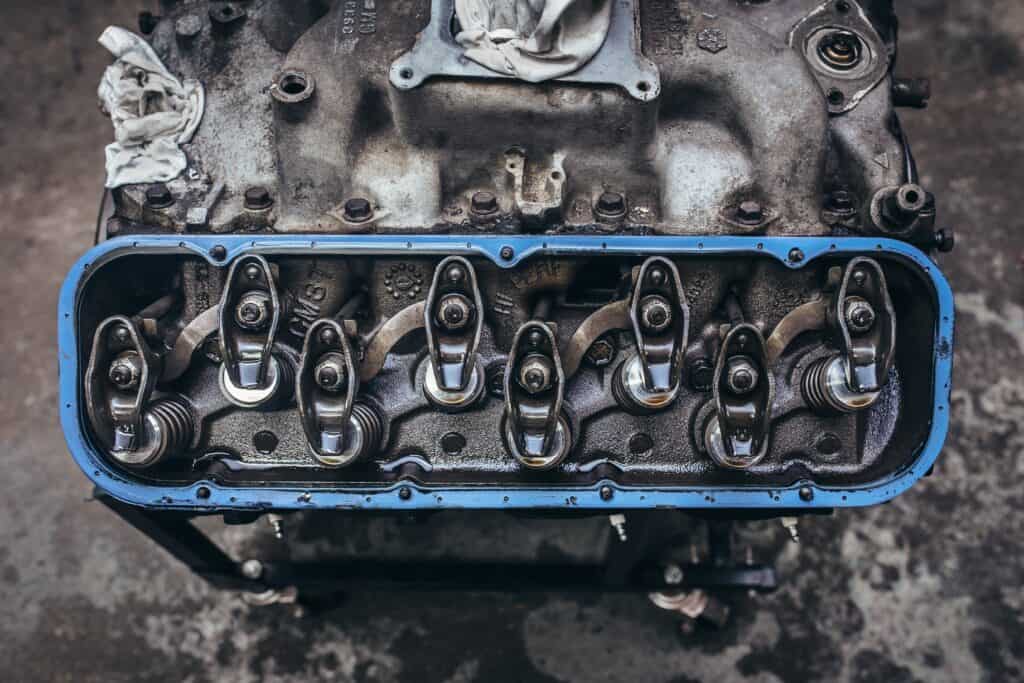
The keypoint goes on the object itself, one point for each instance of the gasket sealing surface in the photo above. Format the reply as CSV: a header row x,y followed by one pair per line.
x,y
216,496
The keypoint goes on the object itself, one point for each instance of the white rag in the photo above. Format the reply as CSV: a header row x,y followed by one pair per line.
x,y
533,40
152,112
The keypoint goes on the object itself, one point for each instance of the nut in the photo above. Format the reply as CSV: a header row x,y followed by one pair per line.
x,y
454,312
860,316
330,373
126,371
536,373
253,311
741,376
655,314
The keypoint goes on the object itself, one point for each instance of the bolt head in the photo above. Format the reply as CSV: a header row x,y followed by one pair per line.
x,y
357,210
601,353
657,277
211,349
806,494
122,334
455,274
258,198
484,203
405,493
159,196
750,212
507,253
252,569
188,26
945,240
673,575
607,493
253,271
796,255
611,204
702,374
842,202
328,336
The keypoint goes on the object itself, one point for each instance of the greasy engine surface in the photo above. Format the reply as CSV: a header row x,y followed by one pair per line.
x,y
704,268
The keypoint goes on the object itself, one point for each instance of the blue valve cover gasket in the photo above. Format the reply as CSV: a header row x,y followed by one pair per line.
x,y
215,496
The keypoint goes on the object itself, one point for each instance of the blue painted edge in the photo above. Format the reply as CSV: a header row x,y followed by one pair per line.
x,y
223,497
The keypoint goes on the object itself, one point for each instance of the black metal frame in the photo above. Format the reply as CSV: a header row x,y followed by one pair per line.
x,y
628,566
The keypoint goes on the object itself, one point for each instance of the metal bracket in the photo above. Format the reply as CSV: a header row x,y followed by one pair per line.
x,y
326,392
661,321
119,381
249,313
453,318
619,61
744,388
536,433
865,322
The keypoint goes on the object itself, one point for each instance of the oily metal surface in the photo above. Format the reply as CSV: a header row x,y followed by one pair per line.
x,y
682,163
924,589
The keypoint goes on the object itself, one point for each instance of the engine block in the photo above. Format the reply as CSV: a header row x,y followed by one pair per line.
x,y
363,272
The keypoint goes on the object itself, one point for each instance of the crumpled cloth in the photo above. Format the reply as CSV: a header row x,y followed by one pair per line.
x,y
533,40
152,111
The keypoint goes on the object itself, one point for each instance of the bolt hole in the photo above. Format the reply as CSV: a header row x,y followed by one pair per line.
x,y
912,197
828,444
452,443
405,72
555,175
843,6
643,86
265,442
836,97
293,84
640,443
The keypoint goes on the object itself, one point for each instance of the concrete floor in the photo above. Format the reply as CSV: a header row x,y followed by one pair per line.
x,y
928,588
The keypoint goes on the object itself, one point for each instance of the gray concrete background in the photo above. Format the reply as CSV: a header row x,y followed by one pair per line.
x,y
928,588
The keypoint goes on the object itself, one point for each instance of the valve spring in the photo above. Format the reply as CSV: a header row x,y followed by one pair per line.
x,y
619,390
622,396
814,385
176,424
285,383
372,426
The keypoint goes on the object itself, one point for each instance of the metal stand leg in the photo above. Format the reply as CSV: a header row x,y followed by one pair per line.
x,y
629,566
176,534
